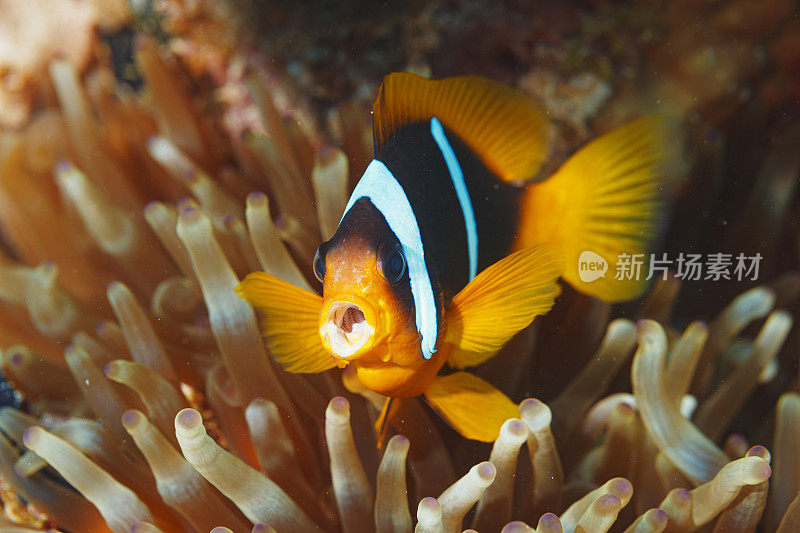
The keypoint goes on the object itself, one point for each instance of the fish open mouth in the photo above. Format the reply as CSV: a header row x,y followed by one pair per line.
x,y
352,316
346,329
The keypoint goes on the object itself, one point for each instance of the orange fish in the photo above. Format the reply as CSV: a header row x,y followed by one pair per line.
x,y
443,253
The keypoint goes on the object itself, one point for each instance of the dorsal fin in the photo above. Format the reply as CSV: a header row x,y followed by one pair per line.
x,y
508,129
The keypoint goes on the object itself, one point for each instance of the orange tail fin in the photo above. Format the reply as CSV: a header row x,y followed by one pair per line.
x,y
608,199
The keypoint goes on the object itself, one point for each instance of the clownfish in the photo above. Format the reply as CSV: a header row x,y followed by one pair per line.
x,y
443,251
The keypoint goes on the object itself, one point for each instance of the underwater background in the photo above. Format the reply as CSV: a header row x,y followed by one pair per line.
x,y
153,153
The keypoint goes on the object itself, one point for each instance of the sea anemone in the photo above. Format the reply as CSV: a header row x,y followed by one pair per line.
x,y
145,399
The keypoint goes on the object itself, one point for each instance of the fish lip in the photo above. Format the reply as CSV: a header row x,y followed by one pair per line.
x,y
342,337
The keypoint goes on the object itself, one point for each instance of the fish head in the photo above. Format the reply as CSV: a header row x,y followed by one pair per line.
x,y
367,313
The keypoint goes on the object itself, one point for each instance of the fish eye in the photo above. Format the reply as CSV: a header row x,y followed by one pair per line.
x,y
393,264
319,264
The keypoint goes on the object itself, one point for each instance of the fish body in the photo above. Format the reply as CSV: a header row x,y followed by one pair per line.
x,y
443,254
407,203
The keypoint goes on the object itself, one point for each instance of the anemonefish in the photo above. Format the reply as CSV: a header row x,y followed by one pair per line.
x,y
442,253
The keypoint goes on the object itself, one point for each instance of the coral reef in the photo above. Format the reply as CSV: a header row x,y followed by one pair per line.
x,y
144,398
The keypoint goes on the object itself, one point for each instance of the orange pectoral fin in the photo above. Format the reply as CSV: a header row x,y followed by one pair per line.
x,y
289,322
472,406
459,358
502,300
